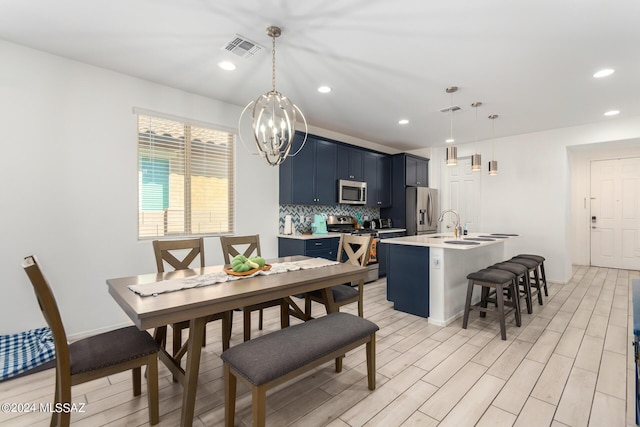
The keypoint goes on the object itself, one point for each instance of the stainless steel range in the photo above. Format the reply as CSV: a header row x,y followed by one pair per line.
x,y
345,224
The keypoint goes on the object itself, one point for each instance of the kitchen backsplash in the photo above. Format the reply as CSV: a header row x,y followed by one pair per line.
x,y
296,211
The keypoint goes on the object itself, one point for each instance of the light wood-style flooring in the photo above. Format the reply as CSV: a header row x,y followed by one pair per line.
x,y
570,364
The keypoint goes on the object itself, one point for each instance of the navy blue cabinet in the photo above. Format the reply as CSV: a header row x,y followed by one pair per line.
x,y
350,163
310,177
416,172
377,175
406,171
382,251
408,279
317,248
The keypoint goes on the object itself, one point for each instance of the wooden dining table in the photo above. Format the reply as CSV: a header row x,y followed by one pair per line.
x,y
196,304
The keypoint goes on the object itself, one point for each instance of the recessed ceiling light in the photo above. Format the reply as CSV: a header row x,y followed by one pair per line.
x,y
324,89
612,113
450,140
403,121
227,66
604,73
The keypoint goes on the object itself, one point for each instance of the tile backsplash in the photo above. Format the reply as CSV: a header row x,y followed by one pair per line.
x,y
296,211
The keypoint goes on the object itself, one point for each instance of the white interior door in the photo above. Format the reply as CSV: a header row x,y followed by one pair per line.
x,y
463,194
615,213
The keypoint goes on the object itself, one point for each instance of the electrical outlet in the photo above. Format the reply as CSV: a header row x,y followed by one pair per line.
x,y
436,262
302,219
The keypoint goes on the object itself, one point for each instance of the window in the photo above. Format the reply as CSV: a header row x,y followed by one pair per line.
x,y
185,179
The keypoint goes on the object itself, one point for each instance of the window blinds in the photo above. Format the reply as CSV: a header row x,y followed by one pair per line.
x,y
185,179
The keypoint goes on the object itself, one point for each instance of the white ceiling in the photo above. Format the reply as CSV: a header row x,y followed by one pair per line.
x,y
531,62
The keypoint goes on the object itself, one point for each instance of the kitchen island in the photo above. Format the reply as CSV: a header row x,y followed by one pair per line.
x,y
427,274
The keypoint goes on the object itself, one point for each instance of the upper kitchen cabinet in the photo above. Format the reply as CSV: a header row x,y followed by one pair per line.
x,y
416,171
377,175
309,178
350,163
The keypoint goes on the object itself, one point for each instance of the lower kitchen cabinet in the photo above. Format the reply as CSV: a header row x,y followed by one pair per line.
x,y
408,279
318,248
382,252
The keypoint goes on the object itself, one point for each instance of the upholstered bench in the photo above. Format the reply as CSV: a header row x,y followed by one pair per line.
x,y
275,358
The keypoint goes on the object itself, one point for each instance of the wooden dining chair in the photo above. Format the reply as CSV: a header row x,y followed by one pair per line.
x,y
250,246
172,252
95,357
357,250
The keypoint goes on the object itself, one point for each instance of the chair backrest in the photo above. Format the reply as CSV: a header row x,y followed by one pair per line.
x,y
356,248
164,249
230,246
50,311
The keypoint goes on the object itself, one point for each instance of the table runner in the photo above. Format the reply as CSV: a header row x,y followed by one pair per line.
x,y
172,285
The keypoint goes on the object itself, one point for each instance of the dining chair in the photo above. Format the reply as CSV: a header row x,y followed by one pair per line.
x,y
172,252
357,250
94,357
250,246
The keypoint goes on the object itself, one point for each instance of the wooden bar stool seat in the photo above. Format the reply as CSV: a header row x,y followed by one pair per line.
x,y
487,279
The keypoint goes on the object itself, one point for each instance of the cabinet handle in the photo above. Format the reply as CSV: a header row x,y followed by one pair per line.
x,y
418,182
318,244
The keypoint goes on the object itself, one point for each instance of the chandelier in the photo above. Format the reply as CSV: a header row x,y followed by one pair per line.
x,y
274,117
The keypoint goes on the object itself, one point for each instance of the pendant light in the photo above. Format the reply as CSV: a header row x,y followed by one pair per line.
x,y
476,159
493,164
452,152
274,117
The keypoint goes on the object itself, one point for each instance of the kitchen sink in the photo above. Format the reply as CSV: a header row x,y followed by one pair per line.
x,y
461,242
479,239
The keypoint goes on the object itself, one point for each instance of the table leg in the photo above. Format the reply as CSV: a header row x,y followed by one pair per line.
x,y
196,331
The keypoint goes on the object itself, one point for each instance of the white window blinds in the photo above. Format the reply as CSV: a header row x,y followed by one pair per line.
x,y
185,179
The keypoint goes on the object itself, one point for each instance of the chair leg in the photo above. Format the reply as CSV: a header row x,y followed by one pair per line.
x,y
247,324
307,306
136,374
339,363
516,301
484,295
467,305
371,362
230,382
284,314
500,303
177,339
65,397
544,279
55,417
152,389
527,288
160,335
539,286
260,320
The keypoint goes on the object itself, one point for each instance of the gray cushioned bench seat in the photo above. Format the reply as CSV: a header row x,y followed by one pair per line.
x,y
274,358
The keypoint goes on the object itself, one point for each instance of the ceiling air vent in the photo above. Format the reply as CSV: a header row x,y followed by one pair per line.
x,y
451,109
243,47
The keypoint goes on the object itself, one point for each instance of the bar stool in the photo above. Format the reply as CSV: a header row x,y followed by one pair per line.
x,y
540,259
534,280
492,279
522,278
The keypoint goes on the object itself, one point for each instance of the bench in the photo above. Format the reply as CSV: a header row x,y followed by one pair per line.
x,y
275,358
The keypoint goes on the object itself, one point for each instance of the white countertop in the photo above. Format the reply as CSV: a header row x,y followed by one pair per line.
x,y
330,235
439,240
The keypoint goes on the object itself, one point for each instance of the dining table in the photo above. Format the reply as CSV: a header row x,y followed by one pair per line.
x,y
196,304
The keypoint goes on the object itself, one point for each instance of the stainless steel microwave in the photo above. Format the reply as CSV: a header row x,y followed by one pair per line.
x,y
352,192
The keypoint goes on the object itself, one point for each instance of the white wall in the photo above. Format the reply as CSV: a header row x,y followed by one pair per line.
x,y
532,194
69,184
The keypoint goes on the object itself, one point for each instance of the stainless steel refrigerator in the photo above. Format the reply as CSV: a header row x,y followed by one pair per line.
x,y
421,210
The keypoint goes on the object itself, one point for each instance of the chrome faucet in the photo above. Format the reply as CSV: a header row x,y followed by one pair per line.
x,y
457,228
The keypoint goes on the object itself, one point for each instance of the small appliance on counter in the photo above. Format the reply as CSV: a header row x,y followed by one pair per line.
x,y
288,228
319,224
380,223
